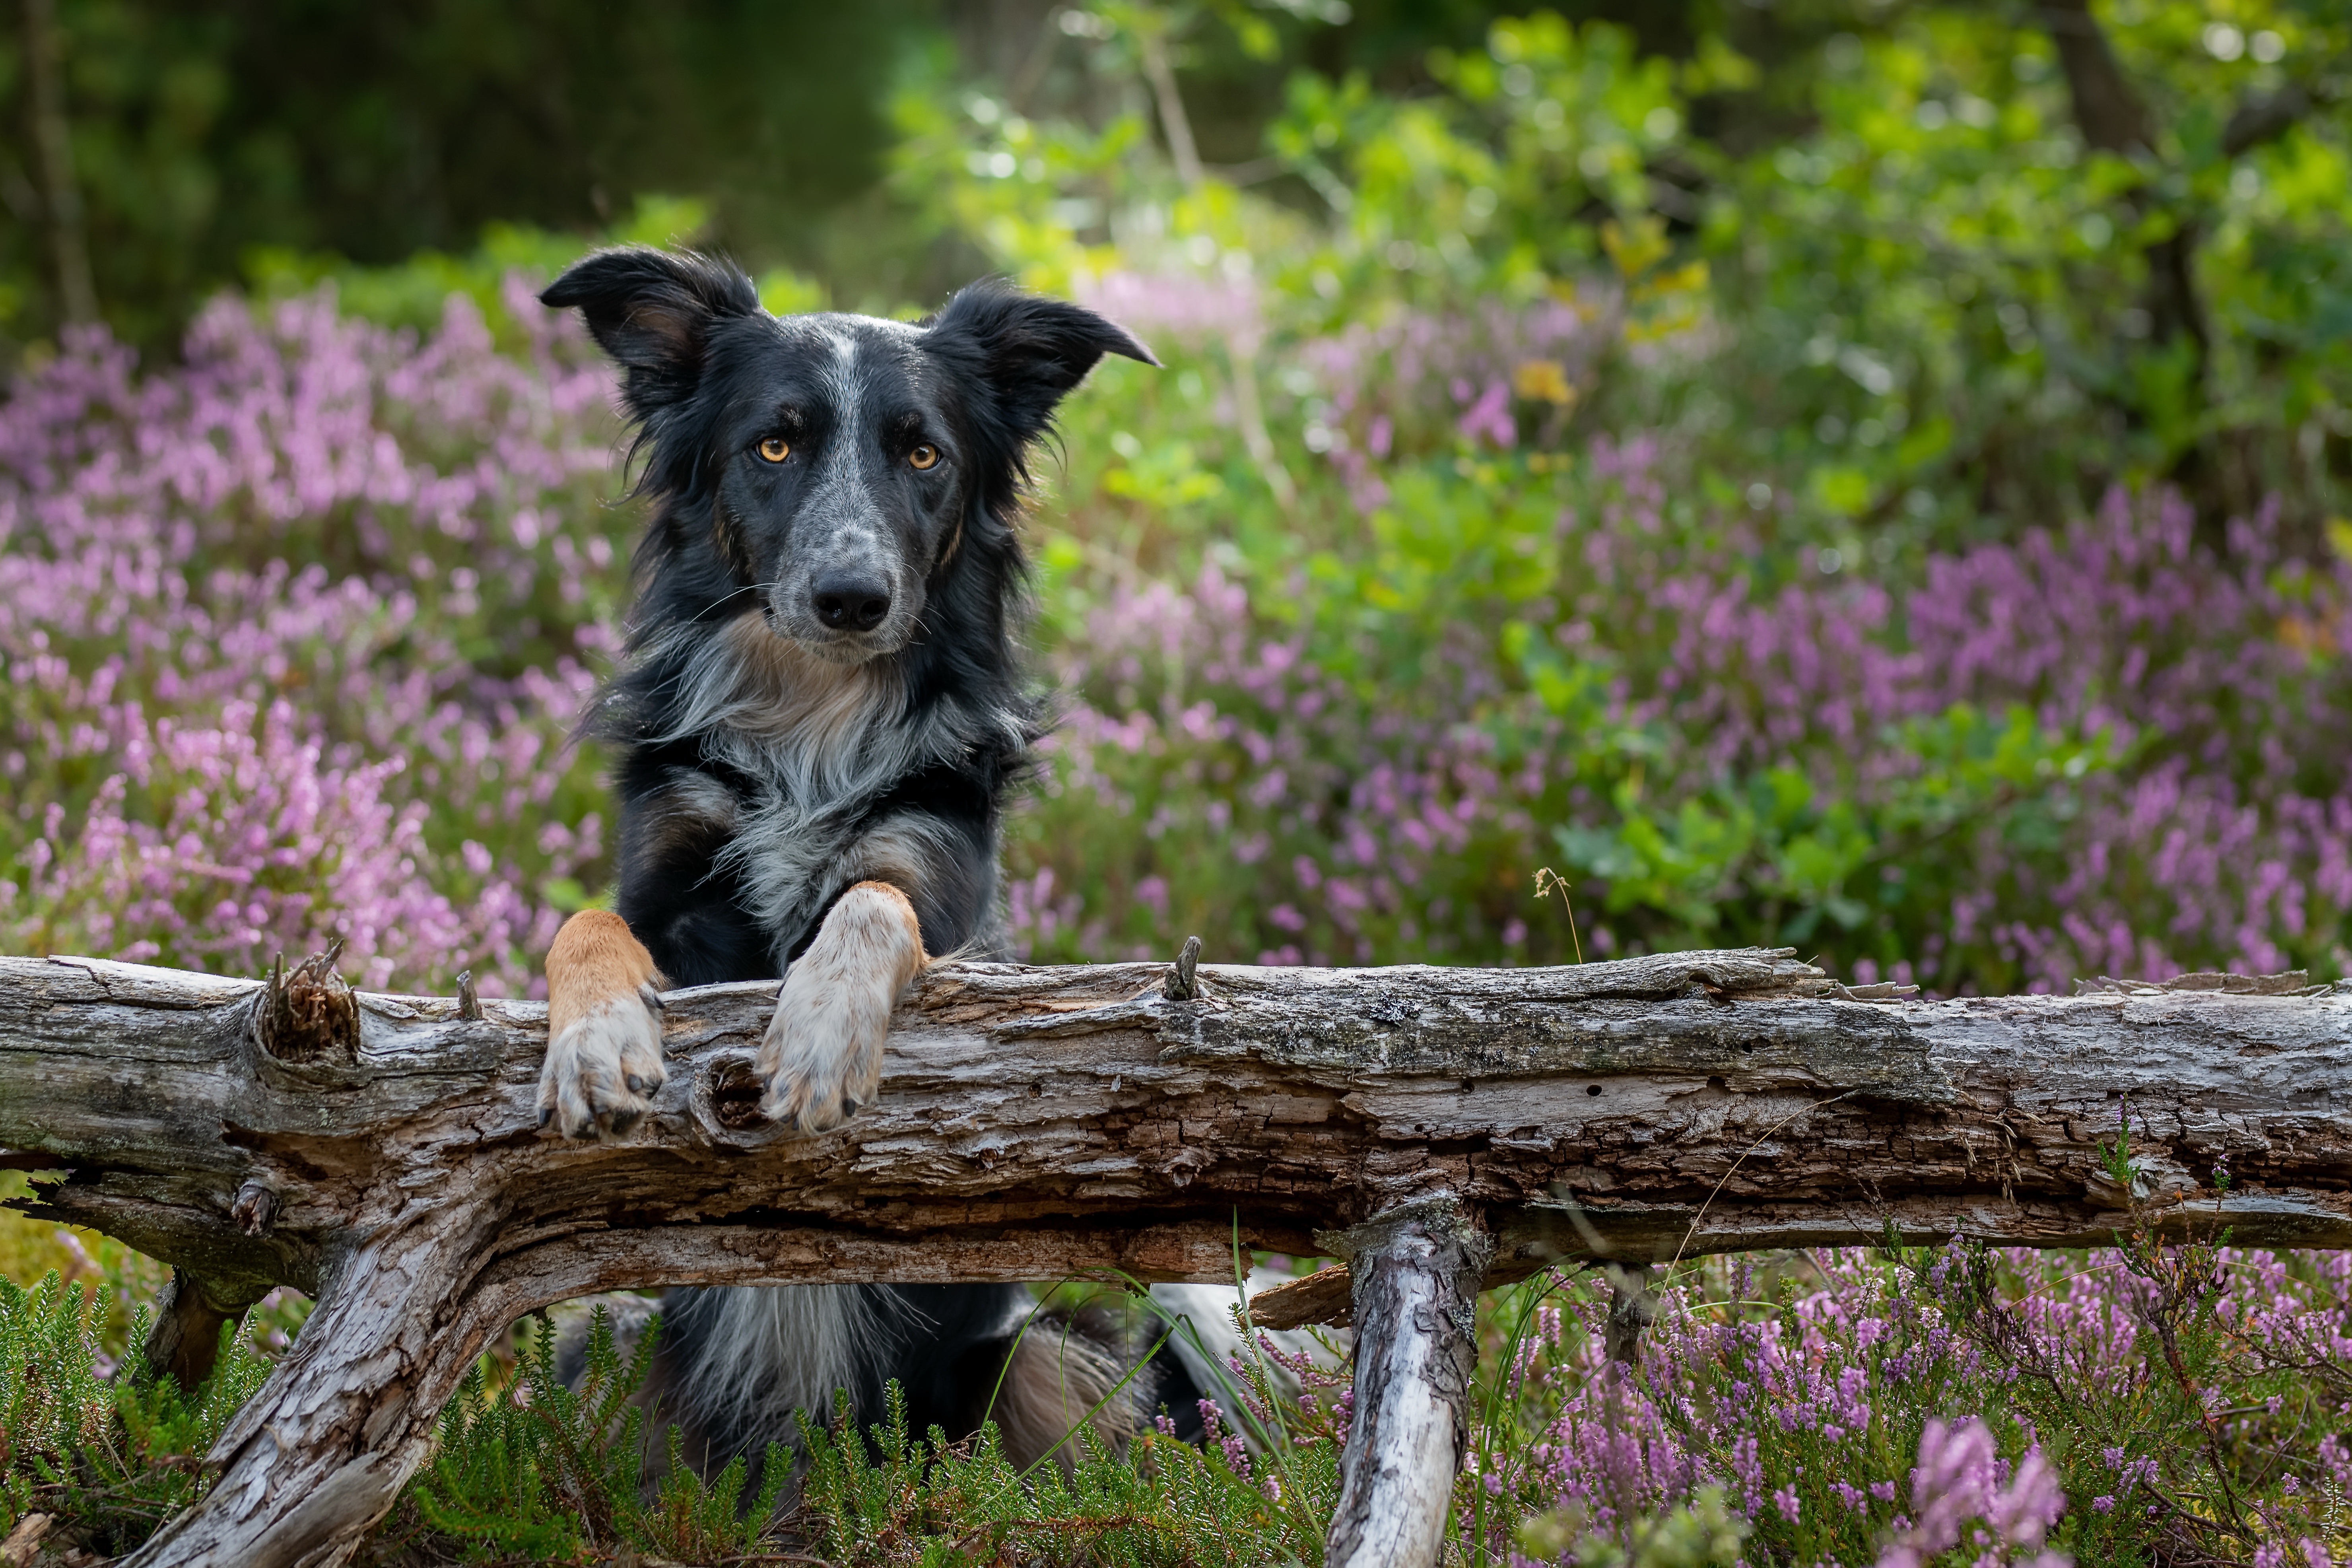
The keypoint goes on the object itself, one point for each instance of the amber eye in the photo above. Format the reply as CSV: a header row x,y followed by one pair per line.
x,y
924,457
775,449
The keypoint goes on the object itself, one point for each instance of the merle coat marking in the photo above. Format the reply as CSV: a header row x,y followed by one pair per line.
x,y
761,747
820,716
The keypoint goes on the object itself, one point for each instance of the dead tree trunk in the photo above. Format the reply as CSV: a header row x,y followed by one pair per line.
x,y
383,1154
1416,1272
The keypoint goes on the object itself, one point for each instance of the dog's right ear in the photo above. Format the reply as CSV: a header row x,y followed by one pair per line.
x,y
653,311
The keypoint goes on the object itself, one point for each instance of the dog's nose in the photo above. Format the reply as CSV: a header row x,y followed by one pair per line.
x,y
850,604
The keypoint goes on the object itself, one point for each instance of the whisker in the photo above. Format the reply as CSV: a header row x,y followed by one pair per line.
x,y
715,604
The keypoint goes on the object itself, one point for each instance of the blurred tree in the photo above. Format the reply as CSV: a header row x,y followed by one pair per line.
x,y
2113,115
185,136
164,144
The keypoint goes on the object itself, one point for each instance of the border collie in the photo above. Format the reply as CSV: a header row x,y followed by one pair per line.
x,y
820,716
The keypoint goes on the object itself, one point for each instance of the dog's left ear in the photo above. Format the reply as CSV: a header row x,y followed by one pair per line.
x,y
1026,348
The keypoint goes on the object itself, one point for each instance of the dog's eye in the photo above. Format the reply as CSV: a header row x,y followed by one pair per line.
x,y
924,457
775,449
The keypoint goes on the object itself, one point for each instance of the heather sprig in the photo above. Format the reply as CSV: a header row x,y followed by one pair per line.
x,y
98,1440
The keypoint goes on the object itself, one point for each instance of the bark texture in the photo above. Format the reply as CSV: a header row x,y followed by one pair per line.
x,y
383,1153
1416,1274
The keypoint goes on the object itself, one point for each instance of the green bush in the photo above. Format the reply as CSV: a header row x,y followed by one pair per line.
x,y
538,1470
107,1446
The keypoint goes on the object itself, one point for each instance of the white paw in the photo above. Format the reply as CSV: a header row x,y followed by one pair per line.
x,y
604,1068
822,1058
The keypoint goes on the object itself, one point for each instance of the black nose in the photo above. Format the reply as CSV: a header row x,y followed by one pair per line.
x,y
850,604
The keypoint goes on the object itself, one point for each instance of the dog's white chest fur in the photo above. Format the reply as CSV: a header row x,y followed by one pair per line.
x,y
820,739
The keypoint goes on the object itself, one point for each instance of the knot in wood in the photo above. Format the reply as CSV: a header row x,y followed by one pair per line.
x,y
309,1015
735,1091
255,1209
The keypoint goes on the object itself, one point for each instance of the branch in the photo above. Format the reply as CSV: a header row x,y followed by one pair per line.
x,y
2262,119
1151,43
383,1153
53,144
2109,111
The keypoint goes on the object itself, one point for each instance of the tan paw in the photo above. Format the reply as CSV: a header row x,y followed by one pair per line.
x,y
604,1070
604,1035
822,1058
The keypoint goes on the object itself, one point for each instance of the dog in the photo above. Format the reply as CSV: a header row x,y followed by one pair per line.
x,y
819,719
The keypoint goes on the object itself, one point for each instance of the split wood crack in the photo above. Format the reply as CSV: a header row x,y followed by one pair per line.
x,y
1438,1127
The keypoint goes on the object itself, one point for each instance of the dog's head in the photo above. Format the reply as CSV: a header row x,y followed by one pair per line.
x,y
839,463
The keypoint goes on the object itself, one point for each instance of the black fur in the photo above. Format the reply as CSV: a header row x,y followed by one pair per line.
x,y
736,839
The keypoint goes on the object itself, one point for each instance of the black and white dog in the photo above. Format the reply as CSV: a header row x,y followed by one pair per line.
x,y
821,714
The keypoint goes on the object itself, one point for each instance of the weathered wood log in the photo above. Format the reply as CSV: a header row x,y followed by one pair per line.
x,y
1416,1272
383,1153
1326,1296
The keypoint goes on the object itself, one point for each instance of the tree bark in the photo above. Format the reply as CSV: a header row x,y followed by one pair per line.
x,y
1416,1274
383,1153
53,147
2107,110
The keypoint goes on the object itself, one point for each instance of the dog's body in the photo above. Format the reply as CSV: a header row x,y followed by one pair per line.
x,y
820,719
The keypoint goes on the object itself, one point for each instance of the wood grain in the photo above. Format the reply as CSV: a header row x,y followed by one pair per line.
x,y
383,1153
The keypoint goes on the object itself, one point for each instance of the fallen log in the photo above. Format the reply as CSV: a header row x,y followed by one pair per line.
x,y
383,1154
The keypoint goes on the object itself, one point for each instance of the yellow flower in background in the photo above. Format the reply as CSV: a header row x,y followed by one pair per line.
x,y
1543,380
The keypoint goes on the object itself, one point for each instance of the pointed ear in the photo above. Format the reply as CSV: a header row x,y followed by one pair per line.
x,y
1025,348
652,310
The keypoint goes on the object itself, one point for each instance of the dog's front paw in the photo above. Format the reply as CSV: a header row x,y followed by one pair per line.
x,y
822,1058
604,1034
604,1068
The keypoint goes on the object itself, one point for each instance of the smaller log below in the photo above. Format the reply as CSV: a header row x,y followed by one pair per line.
x,y
1415,1274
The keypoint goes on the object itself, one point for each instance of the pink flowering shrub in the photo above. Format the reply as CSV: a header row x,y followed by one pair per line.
x,y
1962,1493
1417,384
296,633
2105,751
2125,1405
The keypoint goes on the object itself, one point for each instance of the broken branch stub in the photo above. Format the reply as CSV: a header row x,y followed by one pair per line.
x,y
309,1015
1326,1296
383,1153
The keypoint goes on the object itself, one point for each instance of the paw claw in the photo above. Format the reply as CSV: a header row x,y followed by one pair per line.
x,y
822,1062
603,1069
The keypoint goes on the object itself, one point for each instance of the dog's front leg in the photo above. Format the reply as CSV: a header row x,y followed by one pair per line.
x,y
823,1058
603,1028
